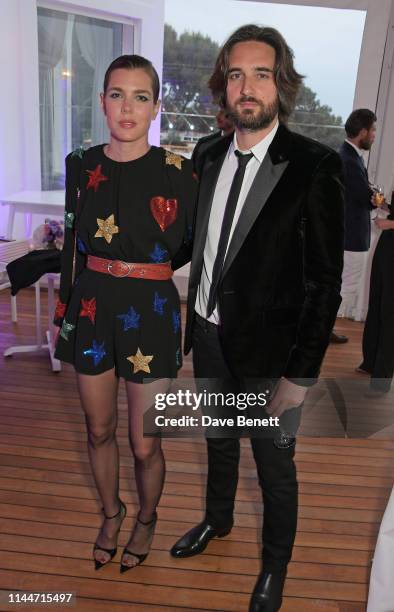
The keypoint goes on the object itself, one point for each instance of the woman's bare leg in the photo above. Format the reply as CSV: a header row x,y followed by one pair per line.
x,y
99,401
149,465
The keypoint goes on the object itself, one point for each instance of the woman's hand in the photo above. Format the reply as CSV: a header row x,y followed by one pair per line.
x,y
384,224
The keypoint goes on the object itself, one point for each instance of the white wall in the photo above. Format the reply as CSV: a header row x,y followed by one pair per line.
x,y
342,4
372,87
371,56
382,156
19,102
14,125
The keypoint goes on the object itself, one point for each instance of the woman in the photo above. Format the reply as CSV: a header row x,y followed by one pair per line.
x,y
128,212
378,337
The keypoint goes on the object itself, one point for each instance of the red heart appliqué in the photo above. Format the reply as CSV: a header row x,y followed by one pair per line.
x,y
164,211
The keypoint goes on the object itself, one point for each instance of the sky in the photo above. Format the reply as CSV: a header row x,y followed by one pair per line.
x,y
326,42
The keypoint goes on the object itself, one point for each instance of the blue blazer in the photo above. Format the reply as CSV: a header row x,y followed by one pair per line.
x,y
357,200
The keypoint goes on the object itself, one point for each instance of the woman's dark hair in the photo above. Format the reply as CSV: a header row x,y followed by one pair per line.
x,y
359,119
287,79
131,62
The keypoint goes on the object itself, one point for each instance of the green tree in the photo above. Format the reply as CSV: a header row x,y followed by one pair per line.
x,y
310,117
188,61
187,103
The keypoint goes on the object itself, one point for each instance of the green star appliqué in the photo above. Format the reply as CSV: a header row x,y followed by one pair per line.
x,y
78,152
69,220
66,329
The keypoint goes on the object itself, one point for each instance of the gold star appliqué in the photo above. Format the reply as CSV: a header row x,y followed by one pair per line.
x,y
172,159
140,362
107,228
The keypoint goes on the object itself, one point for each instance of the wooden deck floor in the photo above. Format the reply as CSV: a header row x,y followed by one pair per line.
x,y
49,511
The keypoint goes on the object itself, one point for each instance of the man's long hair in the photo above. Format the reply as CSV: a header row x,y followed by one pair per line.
x,y
287,79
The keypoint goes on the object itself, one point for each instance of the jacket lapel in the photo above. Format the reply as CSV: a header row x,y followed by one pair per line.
x,y
273,166
207,189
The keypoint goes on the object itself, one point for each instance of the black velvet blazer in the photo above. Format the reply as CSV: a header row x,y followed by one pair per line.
x,y
202,145
280,287
357,200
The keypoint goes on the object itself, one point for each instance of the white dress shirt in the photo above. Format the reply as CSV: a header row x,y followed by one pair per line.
x,y
221,194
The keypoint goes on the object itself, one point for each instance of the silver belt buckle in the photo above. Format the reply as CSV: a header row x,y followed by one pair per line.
x,y
119,269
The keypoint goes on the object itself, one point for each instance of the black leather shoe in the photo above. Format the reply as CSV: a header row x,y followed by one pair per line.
x,y
338,338
361,370
196,540
267,594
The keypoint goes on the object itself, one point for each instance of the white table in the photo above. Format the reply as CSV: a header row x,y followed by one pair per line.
x,y
36,203
33,203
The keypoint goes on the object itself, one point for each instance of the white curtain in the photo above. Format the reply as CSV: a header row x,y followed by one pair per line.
x,y
97,46
51,36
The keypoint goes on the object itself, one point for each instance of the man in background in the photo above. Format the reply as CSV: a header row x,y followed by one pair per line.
x,y
360,130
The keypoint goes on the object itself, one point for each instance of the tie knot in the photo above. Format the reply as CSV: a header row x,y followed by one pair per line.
x,y
243,158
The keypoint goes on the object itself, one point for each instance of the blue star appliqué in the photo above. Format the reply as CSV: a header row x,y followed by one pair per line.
x,y
81,245
158,304
97,352
157,254
189,233
176,321
130,319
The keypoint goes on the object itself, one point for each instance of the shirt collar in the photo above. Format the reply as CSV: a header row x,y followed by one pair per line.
x,y
260,149
359,151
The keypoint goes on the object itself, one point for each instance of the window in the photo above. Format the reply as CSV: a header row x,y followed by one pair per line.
x,y
74,52
326,44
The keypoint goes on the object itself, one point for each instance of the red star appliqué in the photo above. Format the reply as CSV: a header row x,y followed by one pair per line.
x,y
88,309
60,310
95,178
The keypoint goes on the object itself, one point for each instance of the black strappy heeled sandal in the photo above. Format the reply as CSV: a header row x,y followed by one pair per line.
x,y
110,551
141,557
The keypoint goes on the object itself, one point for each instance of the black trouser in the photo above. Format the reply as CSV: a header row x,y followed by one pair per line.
x,y
378,338
275,466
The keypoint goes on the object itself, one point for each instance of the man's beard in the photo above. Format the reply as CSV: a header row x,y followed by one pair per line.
x,y
365,144
248,120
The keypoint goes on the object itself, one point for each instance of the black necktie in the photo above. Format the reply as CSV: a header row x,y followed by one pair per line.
x,y
227,222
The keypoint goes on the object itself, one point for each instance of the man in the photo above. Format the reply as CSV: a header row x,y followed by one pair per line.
x,y
264,283
360,130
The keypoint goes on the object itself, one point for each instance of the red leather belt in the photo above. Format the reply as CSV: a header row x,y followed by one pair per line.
x,y
123,269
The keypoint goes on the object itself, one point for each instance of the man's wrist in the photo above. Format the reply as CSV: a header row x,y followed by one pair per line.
x,y
302,382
